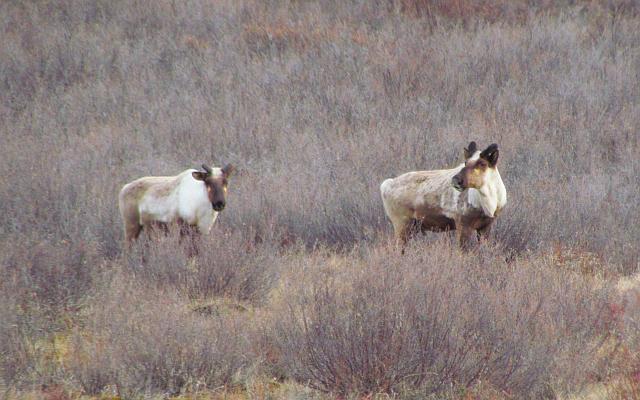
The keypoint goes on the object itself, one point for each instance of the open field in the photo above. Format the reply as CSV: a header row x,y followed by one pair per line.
x,y
298,292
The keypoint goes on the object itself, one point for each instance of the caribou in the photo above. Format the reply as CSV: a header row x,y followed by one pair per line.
x,y
467,198
191,199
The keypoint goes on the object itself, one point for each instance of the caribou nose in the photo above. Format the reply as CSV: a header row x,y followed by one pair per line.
x,y
218,206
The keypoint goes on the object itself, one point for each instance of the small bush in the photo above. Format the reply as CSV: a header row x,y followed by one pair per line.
x,y
43,285
436,318
221,264
55,276
139,339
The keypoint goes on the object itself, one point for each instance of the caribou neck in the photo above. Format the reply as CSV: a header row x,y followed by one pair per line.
x,y
491,197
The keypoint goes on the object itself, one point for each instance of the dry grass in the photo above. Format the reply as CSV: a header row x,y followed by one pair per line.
x,y
317,102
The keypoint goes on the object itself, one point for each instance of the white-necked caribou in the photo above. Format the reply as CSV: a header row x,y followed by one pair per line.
x,y
467,198
191,199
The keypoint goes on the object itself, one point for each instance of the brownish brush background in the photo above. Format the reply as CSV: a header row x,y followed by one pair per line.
x,y
297,293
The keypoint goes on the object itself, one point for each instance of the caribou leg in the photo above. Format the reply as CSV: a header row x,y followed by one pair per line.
x,y
483,233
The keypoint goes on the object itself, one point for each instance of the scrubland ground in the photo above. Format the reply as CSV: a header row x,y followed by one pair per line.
x,y
298,292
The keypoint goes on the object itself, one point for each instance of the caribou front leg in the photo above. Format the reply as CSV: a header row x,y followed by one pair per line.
x,y
464,234
190,234
483,233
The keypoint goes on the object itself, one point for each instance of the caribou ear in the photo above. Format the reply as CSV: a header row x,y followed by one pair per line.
x,y
199,176
468,152
206,168
491,154
228,169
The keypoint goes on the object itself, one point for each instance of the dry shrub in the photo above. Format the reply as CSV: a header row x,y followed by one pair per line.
x,y
221,264
622,379
580,261
111,93
261,38
139,339
42,287
467,11
435,318
316,102
55,276
12,347
503,11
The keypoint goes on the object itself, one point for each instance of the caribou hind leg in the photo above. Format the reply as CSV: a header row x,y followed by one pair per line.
x,y
400,232
405,230
132,227
132,232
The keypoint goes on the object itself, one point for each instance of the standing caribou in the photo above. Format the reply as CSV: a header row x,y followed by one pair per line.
x,y
466,198
192,199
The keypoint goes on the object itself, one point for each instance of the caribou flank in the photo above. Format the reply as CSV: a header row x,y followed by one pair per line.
x,y
466,198
191,199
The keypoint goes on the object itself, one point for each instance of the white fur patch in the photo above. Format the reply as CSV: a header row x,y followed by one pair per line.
x,y
188,200
216,172
492,195
193,202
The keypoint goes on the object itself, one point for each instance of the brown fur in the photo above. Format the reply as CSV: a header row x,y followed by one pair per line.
x,y
473,221
216,185
473,172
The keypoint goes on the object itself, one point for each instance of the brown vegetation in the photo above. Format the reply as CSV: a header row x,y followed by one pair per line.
x,y
298,293
436,319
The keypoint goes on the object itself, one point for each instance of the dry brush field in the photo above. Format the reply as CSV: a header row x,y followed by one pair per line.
x,y
298,292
